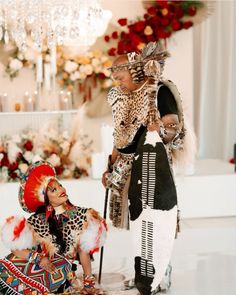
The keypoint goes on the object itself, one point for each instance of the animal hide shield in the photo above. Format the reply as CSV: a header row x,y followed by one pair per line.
x,y
153,211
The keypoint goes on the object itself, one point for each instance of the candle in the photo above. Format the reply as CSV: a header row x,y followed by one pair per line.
x,y
39,69
29,105
98,165
6,103
65,103
47,76
106,139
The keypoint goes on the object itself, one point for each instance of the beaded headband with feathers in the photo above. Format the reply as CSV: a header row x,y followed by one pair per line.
x,y
136,64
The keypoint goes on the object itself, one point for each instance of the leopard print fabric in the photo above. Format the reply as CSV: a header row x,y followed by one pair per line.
x,y
72,224
129,112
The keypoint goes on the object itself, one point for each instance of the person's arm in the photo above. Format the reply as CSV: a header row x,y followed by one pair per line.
x,y
111,160
35,257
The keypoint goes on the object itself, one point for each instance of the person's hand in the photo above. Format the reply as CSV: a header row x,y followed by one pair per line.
x,y
104,178
153,127
46,264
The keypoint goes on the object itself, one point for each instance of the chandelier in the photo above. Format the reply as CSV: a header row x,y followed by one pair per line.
x,y
52,22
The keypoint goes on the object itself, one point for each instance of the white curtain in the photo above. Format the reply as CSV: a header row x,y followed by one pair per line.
x,y
215,82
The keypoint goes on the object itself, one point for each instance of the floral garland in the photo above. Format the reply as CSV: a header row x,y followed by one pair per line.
x,y
17,152
71,70
160,21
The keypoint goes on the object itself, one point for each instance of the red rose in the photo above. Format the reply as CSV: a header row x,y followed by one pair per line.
x,y
187,25
122,21
192,10
13,166
107,38
28,145
176,25
165,22
139,26
114,35
13,175
102,76
152,10
232,161
5,160
179,12
161,34
59,170
112,51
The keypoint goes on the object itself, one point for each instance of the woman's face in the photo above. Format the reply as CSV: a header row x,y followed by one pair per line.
x,y
56,193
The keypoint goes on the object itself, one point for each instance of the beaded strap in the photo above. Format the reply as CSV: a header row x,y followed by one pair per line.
x,y
89,281
35,257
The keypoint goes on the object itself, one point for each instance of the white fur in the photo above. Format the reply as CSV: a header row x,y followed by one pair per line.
x,y
152,137
24,241
90,238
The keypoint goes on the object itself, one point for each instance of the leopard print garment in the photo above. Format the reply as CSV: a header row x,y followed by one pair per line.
x,y
129,112
73,222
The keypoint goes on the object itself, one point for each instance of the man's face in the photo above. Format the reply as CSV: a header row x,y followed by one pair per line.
x,y
124,81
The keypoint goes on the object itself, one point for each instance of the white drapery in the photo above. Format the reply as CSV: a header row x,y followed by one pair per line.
x,y
215,82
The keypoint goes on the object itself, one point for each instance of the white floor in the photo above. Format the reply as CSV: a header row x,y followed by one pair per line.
x,y
204,259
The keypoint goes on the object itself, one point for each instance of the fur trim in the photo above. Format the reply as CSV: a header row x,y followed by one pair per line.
x,y
16,234
94,236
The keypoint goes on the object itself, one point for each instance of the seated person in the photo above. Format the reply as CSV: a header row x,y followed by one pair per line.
x,y
44,246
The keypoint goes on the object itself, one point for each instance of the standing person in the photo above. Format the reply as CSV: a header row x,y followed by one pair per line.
x,y
44,246
148,130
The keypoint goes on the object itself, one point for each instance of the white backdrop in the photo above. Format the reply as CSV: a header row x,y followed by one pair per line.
x,y
215,82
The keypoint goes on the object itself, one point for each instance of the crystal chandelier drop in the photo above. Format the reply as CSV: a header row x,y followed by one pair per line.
x,y
52,22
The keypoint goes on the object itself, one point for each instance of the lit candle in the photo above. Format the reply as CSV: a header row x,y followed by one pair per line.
x,y
65,104
30,105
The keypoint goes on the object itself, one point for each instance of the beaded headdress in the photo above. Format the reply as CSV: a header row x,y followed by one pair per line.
x,y
141,64
34,184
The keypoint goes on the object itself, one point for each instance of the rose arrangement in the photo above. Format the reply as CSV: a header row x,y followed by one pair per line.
x,y
160,21
17,152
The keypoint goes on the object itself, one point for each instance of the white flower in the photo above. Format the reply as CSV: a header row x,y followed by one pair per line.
x,y
20,56
107,83
13,151
54,160
1,156
66,172
36,158
98,69
70,66
96,62
15,64
88,69
28,156
23,167
107,73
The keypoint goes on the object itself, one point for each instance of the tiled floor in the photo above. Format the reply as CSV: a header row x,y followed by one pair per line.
x,y
204,259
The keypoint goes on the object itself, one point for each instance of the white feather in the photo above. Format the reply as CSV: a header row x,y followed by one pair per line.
x,y
91,238
24,241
